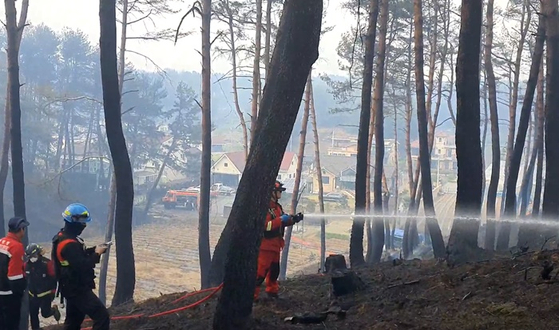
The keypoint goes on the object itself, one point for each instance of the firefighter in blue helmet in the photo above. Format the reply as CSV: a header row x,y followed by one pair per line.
x,y
74,265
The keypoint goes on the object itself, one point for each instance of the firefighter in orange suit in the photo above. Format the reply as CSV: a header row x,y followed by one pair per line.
x,y
272,243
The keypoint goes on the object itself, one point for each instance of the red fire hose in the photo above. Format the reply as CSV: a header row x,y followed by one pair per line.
x,y
172,311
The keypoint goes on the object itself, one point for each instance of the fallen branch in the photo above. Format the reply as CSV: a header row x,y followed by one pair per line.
x,y
402,284
467,296
545,242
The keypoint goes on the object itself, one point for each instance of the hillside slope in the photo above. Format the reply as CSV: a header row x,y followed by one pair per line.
x,y
504,293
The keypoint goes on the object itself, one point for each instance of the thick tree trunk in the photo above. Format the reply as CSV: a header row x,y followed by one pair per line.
x,y
320,185
235,88
205,175
512,179
300,156
256,71
112,190
295,52
356,242
126,274
378,103
495,144
462,243
427,189
540,106
550,206
14,31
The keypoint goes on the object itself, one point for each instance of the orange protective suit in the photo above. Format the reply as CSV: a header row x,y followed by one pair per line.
x,y
270,249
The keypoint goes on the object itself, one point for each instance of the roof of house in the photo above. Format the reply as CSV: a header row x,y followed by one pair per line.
x,y
336,164
238,159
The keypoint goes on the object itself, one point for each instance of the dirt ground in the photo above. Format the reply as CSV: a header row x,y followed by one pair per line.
x,y
504,293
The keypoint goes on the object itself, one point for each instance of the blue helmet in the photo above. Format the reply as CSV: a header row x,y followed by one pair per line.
x,y
76,212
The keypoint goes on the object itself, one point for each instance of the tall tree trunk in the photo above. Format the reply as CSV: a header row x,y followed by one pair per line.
x,y
113,190
378,103
512,179
256,70
205,175
407,242
235,88
539,142
550,206
14,32
268,40
524,26
356,242
462,243
295,52
300,156
320,185
427,189
368,226
484,134
126,274
4,164
495,144
432,60
396,165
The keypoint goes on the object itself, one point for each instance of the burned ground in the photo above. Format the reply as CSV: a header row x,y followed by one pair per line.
x,y
503,293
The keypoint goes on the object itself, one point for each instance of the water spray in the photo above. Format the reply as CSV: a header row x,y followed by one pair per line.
x,y
543,223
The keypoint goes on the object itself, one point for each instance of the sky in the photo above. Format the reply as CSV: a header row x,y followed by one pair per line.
x,y
83,15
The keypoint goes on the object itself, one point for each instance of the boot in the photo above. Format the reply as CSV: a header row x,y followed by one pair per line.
x,y
56,313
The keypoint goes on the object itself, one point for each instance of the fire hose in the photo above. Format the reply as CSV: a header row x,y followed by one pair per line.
x,y
212,291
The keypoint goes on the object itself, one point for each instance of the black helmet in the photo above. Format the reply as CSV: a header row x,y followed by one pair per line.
x,y
33,250
278,186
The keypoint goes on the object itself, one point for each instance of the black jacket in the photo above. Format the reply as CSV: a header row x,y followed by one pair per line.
x,y
78,275
40,277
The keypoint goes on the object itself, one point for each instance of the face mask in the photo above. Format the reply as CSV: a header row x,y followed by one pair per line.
x,y
33,259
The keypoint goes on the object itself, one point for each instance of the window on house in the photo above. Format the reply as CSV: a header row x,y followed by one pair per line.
x,y
325,180
279,176
225,165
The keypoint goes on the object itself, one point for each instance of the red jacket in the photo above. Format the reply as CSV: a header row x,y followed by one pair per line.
x,y
274,229
12,272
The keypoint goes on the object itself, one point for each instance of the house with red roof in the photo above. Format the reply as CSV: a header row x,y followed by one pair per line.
x,y
229,167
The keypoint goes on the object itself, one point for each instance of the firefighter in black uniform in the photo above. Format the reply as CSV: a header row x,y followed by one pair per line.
x,y
41,285
74,265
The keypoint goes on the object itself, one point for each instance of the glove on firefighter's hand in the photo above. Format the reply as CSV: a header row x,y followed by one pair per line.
x,y
298,217
100,249
285,218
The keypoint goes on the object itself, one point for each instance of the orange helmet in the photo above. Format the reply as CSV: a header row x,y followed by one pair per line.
x,y
278,186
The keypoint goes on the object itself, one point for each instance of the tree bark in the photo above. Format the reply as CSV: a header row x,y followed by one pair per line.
x,y
539,142
550,205
300,156
256,71
424,158
205,175
320,185
512,179
356,242
495,143
126,274
295,52
462,243
378,103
